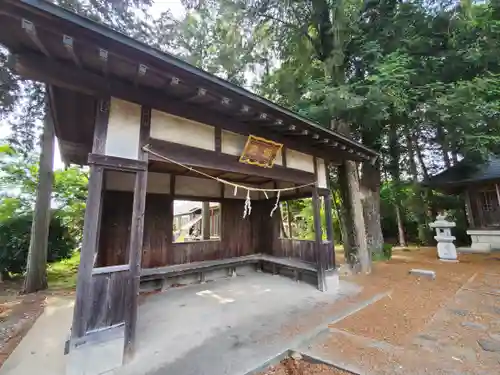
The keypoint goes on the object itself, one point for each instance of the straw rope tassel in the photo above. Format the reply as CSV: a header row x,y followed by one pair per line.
x,y
248,206
276,204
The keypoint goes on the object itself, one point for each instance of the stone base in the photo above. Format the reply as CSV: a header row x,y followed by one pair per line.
x,y
449,260
97,353
470,250
332,281
484,240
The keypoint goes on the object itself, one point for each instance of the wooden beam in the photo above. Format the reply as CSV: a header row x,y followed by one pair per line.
x,y
283,157
101,126
218,140
117,163
197,157
320,256
468,208
135,252
91,226
39,68
68,43
30,29
172,185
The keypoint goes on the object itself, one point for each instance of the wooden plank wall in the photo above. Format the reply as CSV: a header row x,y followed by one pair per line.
x,y
256,233
187,252
303,250
293,248
108,299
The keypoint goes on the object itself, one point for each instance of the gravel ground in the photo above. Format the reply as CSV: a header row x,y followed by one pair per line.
x,y
419,328
413,300
300,367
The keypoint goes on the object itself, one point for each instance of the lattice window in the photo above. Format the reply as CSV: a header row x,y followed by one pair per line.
x,y
489,201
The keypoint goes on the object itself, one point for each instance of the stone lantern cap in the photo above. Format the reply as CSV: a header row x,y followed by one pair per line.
x,y
441,222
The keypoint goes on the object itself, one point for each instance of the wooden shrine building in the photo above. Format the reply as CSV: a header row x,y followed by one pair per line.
x,y
152,129
479,184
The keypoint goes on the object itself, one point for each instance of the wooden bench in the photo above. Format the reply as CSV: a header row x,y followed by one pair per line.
x,y
201,268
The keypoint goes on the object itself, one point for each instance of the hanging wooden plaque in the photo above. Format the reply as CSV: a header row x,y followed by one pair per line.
x,y
260,151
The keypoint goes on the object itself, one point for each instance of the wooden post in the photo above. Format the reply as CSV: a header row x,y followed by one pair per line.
x,y
289,218
318,240
331,263
329,232
205,220
136,239
83,303
468,208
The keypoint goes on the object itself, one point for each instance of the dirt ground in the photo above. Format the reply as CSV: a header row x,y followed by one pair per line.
x,y
423,326
18,313
420,326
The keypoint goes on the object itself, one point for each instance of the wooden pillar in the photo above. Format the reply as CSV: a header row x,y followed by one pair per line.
x,y
320,256
289,218
468,209
83,303
331,263
136,238
205,220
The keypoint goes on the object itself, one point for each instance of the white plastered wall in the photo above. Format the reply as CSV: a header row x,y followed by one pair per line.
x,y
158,183
299,160
233,144
321,168
180,130
124,125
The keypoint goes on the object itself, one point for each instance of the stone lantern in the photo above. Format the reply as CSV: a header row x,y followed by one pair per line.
x,y
445,246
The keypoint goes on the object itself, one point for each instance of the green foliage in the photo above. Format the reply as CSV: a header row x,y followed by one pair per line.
x,y
63,274
15,238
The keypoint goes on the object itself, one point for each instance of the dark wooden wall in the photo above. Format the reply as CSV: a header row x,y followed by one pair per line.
x,y
257,233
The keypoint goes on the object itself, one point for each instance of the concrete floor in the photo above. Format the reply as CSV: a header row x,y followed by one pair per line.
x,y
229,326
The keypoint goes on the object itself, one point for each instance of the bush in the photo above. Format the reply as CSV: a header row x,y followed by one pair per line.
x,y
15,240
386,253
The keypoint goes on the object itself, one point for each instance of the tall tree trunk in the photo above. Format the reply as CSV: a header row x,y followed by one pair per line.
x,y
420,203
394,170
36,269
355,244
401,228
370,193
420,157
441,138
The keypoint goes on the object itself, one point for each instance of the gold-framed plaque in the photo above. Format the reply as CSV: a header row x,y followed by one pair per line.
x,y
260,151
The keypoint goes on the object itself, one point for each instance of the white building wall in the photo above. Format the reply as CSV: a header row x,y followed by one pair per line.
x,y
299,160
123,129
322,183
179,130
